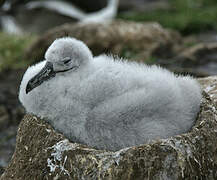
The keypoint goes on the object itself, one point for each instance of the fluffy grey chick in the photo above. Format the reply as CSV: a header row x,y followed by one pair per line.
x,y
105,102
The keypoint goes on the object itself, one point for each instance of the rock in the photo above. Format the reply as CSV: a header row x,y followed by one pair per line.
x,y
199,52
129,39
42,153
207,37
209,85
199,60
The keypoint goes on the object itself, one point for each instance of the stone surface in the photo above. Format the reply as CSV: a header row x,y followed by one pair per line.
x,y
129,39
199,60
200,52
42,153
207,37
209,85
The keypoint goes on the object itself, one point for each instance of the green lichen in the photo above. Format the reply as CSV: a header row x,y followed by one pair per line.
x,y
186,16
12,51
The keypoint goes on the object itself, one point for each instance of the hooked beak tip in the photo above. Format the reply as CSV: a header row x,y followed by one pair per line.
x,y
27,89
45,74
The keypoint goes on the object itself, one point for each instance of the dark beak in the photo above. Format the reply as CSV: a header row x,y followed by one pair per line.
x,y
45,74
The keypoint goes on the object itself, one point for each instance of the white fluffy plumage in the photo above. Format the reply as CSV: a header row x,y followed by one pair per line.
x,y
108,103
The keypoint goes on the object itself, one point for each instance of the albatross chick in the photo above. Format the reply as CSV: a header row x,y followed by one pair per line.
x,y
105,102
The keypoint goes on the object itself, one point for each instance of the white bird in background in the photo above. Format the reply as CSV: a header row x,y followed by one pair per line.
x,y
9,25
105,102
105,15
62,7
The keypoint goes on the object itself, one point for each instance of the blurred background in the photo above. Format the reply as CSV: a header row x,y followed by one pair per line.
x,y
180,35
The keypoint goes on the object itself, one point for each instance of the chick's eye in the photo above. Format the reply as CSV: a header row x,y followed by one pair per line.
x,y
66,61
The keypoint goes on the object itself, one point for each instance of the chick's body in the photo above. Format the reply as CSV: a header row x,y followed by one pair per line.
x,y
110,104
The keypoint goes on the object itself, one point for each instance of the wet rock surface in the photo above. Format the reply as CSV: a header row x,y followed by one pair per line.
x,y
43,153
